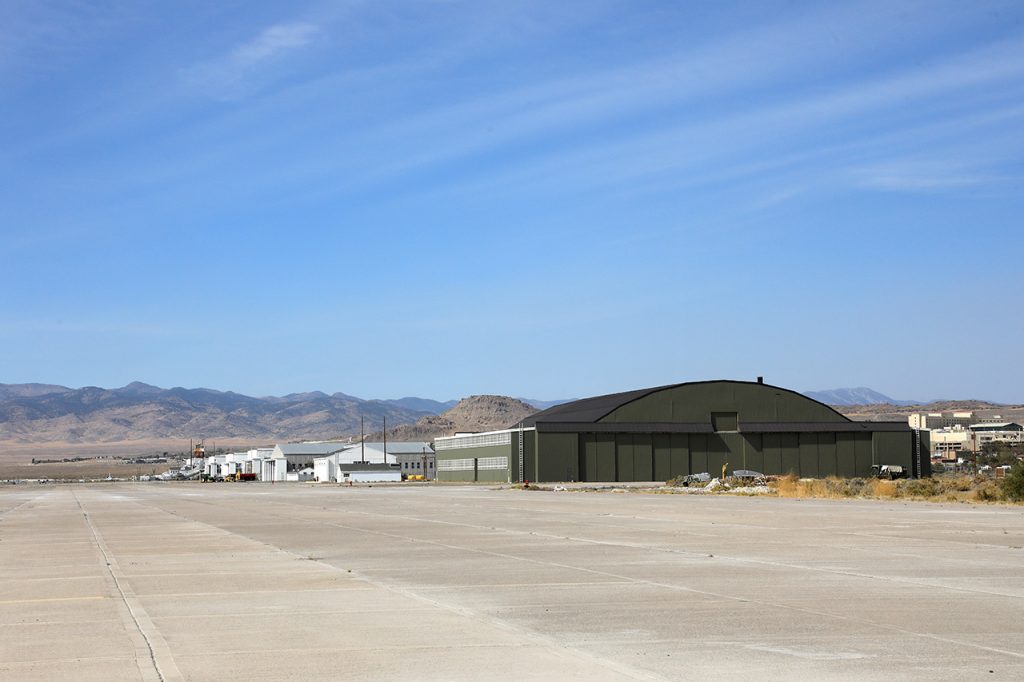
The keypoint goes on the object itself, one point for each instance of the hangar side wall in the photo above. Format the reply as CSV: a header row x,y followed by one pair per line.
x,y
605,457
529,456
560,458
474,464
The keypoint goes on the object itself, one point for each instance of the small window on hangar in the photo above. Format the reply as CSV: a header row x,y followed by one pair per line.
x,y
725,421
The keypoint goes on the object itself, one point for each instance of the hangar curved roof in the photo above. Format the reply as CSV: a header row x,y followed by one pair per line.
x,y
693,403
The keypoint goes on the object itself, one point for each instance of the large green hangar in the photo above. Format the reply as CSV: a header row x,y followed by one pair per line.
x,y
655,434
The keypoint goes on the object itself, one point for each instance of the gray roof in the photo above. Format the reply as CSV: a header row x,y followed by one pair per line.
x,y
407,447
1000,426
318,449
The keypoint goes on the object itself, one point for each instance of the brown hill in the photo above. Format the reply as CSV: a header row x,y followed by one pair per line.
x,y
889,412
472,414
31,414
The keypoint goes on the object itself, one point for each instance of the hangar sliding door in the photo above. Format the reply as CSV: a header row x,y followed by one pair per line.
x,y
662,444
680,463
719,453
808,455
790,447
597,452
827,465
772,453
698,453
865,457
624,457
643,457
753,456
846,455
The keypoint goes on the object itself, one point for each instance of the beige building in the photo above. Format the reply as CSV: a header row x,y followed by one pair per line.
x,y
950,434
950,443
1002,432
944,420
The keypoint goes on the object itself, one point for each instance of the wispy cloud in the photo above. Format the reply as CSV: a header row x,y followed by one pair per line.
x,y
924,176
229,74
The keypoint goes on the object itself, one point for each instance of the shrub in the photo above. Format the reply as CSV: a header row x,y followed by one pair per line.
x,y
1013,482
881,488
989,491
789,485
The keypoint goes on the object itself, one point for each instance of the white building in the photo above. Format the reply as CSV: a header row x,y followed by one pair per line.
x,y
302,455
399,456
273,469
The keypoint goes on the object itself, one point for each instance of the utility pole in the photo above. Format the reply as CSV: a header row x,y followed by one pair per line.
x,y
385,441
362,442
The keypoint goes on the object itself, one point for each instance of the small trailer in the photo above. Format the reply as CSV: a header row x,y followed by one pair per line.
x,y
889,471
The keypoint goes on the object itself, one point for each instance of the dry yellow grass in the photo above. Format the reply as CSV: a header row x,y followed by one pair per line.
x,y
881,488
935,489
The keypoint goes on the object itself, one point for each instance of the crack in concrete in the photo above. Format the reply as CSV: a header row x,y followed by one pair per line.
x,y
161,667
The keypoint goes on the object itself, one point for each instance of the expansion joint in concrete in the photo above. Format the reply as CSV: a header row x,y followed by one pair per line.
x,y
152,666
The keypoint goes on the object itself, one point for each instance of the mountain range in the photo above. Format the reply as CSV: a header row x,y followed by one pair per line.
x,y
32,413
47,413
855,396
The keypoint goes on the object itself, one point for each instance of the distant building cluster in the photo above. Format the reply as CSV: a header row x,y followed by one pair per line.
x,y
949,436
326,461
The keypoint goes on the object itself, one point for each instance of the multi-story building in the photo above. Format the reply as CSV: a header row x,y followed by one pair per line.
x,y
1002,432
945,420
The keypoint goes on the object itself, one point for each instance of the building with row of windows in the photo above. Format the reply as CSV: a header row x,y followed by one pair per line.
x,y
948,436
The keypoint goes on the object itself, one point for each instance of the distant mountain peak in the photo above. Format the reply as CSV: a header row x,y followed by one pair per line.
x,y
140,388
861,395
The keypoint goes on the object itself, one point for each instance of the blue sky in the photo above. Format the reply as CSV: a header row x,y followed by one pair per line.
x,y
530,198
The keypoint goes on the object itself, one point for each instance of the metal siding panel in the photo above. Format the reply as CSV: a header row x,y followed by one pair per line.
x,y
895,448
643,457
662,443
827,455
680,455
477,452
730,448
529,455
846,455
491,475
589,472
753,455
559,457
624,457
699,453
605,458
772,444
862,444
808,455
790,450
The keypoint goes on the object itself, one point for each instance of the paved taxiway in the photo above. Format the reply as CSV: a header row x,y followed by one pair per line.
x,y
259,582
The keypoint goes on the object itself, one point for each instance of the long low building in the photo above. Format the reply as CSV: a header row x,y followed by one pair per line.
x,y
399,456
655,434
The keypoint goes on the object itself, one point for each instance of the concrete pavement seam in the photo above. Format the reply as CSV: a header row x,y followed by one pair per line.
x,y
169,671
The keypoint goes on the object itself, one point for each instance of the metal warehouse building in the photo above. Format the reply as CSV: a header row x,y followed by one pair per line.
x,y
655,434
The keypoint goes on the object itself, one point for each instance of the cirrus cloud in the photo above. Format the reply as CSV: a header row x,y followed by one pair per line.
x,y
230,74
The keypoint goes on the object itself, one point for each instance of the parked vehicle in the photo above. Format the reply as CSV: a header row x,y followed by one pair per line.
x,y
889,471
